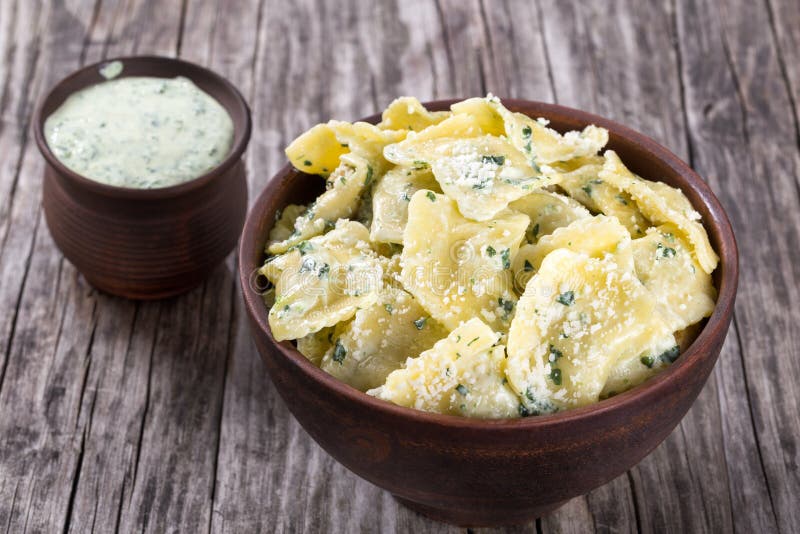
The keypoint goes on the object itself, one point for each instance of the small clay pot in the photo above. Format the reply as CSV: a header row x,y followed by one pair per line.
x,y
147,243
495,472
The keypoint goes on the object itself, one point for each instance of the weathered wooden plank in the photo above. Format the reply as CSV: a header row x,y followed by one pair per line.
x,y
744,140
601,57
45,330
111,415
18,225
784,20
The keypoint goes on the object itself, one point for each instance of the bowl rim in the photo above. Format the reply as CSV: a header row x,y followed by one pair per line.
x,y
658,386
234,154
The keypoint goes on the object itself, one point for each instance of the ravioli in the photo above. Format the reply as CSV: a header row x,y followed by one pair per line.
x,y
340,201
548,211
390,201
662,204
380,339
482,174
484,112
314,346
320,149
633,369
317,151
462,374
323,281
407,113
461,269
416,147
668,269
544,145
577,317
594,236
478,262
583,183
284,224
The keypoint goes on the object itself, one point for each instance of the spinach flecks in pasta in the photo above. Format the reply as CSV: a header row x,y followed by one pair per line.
x,y
633,368
567,298
548,211
545,145
455,377
390,198
594,236
477,262
341,201
338,274
684,291
662,204
380,338
453,271
620,319
339,352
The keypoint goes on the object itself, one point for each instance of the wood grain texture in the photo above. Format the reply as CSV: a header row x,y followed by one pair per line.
x,y
160,417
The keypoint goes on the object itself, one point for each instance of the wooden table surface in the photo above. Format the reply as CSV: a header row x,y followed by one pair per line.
x,y
160,417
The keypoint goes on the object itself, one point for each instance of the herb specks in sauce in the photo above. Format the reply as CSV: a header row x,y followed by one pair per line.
x,y
140,132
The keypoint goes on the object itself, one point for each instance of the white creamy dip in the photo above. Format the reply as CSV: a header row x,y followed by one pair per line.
x,y
140,132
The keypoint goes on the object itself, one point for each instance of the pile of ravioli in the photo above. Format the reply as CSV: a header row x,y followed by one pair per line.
x,y
476,262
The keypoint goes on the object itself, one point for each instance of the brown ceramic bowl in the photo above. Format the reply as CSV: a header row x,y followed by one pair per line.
x,y
147,243
492,472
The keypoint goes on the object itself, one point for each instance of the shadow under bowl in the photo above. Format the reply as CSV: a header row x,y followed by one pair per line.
x,y
147,243
496,472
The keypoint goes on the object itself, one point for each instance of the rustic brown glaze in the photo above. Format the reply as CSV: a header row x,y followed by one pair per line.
x,y
478,472
147,243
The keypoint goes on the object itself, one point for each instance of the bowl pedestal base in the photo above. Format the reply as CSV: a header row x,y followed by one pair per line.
x,y
481,517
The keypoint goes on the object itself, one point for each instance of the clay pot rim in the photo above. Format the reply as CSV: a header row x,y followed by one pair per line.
x,y
658,386
159,65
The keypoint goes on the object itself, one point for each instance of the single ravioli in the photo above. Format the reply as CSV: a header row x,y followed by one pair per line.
x,y
594,236
315,345
319,150
578,316
323,281
339,201
482,174
380,339
544,145
414,149
634,369
407,113
462,374
285,221
484,111
548,211
668,269
662,204
581,180
390,199
458,268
